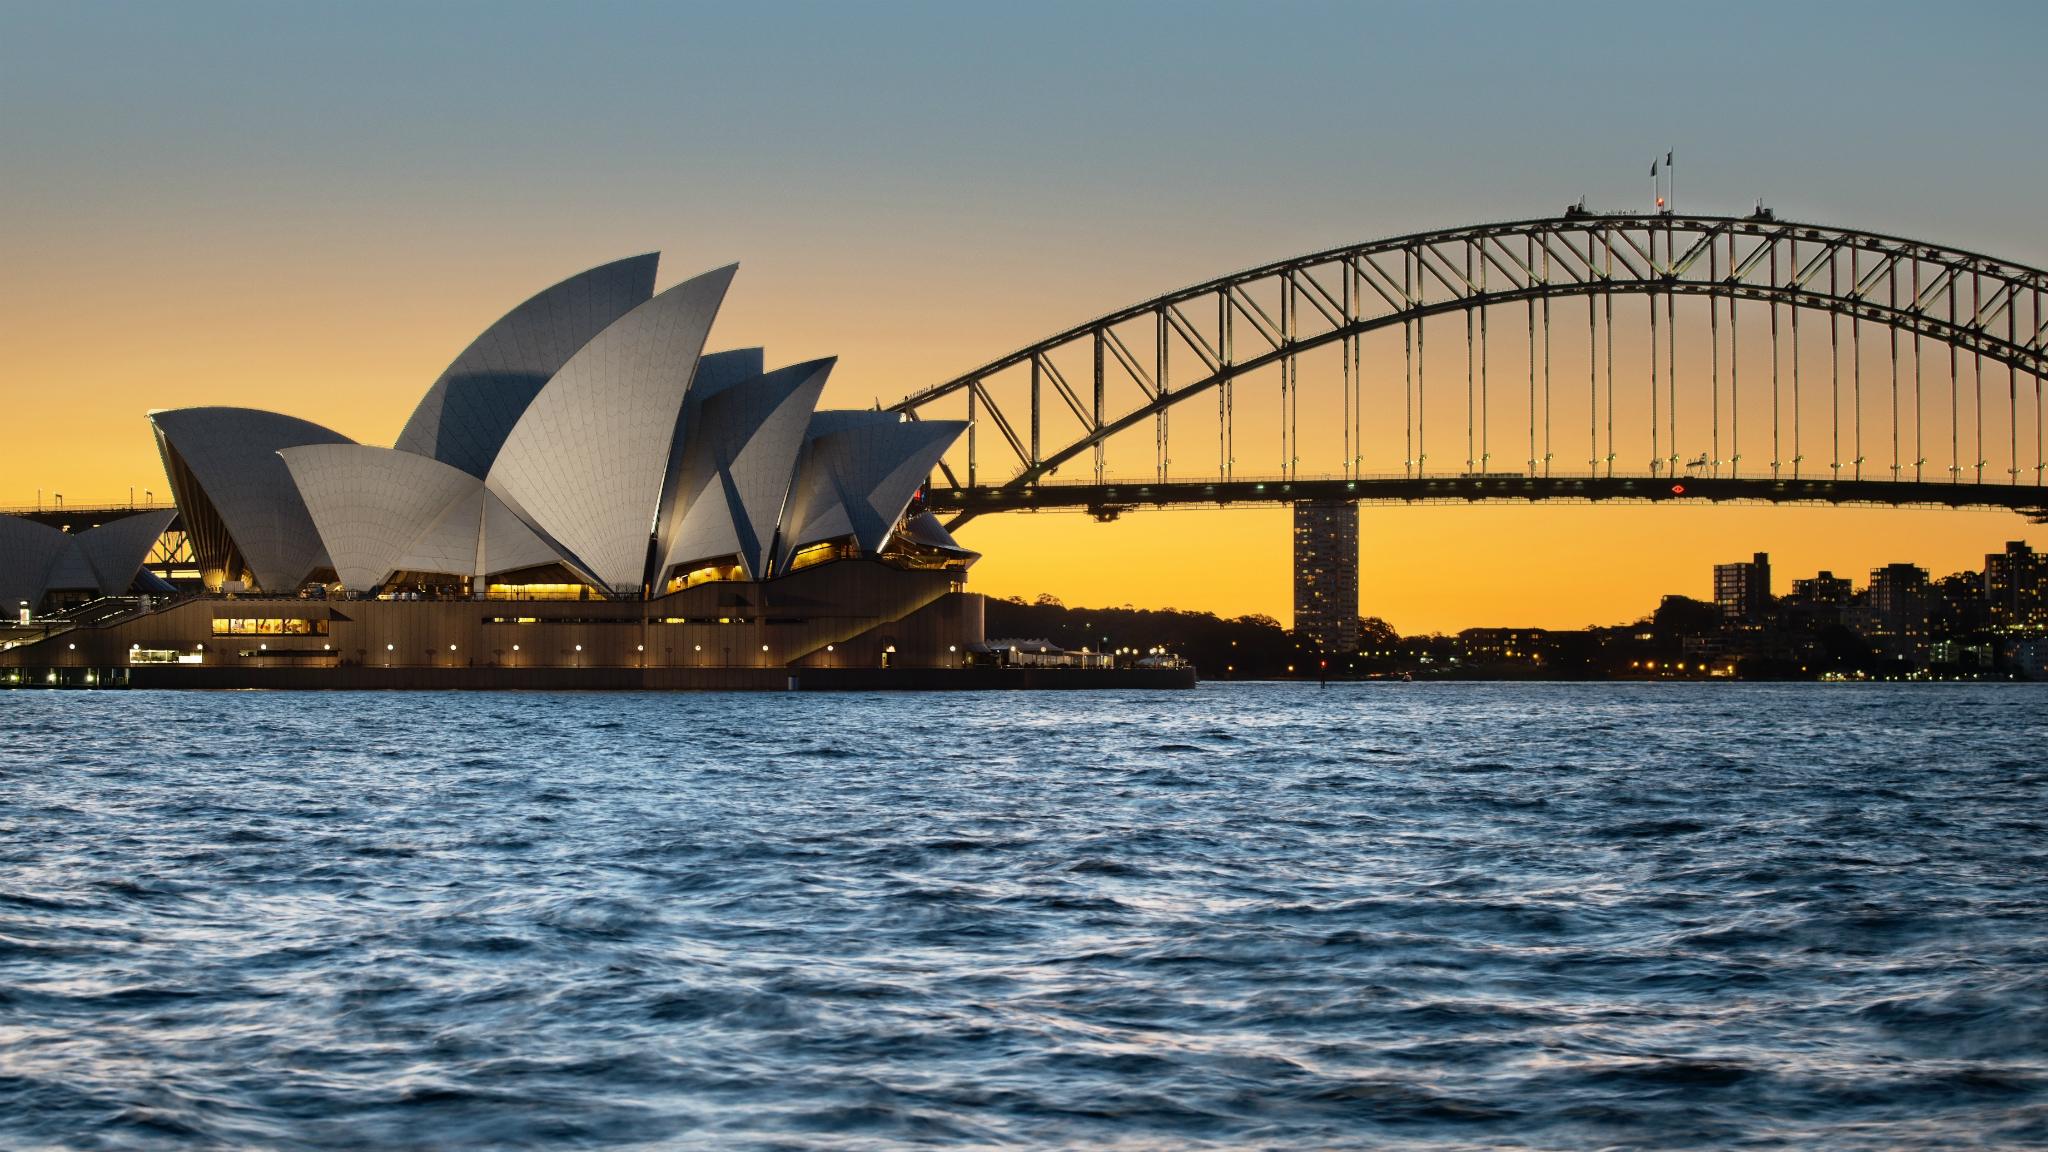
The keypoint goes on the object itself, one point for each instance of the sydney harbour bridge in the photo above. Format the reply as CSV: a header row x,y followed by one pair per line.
x,y
1588,356
1582,357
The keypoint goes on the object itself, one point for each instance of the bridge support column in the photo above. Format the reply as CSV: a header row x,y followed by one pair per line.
x,y
1326,574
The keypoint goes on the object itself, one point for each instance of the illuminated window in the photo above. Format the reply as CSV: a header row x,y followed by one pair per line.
x,y
706,574
535,591
819,553
273,626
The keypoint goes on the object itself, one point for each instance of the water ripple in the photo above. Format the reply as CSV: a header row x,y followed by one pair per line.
x,y
1428,916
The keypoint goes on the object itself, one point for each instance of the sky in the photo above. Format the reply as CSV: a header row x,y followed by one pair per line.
x,y
313,209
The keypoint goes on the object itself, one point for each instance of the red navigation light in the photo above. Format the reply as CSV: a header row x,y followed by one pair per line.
x,y
1678,489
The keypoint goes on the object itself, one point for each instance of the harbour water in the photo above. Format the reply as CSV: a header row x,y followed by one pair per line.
x,y
1386,915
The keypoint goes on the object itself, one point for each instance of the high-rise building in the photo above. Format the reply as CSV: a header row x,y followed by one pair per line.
x,y
2016,587
1326,574
1900,598
1742,591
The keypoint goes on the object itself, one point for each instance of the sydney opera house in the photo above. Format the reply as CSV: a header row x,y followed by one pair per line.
x,y
585,497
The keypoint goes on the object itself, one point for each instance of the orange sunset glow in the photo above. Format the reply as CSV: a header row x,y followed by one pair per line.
x,y
178,263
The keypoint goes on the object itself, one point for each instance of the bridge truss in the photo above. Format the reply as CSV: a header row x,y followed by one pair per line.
x,y
1927,390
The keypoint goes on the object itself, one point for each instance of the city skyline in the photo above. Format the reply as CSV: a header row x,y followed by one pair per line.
x,y
290,206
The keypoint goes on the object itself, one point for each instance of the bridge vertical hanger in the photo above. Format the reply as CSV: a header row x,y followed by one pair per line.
x,y
1919,387
1777,442
1098,405
1350,352
1592,373
1470,362
2012,390
1037,397
1546,363
1955,390
1531,462
1607,296
1408,363
1834,382
1671,343
1421,377
1734,369
1714,367
1290,451
1798,408
1892,296
1656,452
1159,368
1977,369
972,391
1485,409
1222,386
1856,356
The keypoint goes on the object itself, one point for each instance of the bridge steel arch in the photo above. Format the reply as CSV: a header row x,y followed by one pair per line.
x,y
1972,304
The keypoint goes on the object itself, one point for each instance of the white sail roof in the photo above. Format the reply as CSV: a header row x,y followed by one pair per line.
x,y
858,473
231,455
28,553
586,462
36,559
116,549
380,511
464,418
716,371
739,462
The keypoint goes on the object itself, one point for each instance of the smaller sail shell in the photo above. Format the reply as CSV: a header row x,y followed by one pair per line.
x,y
858,474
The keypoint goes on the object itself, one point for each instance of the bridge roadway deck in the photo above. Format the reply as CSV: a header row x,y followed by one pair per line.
x,y
1107,500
